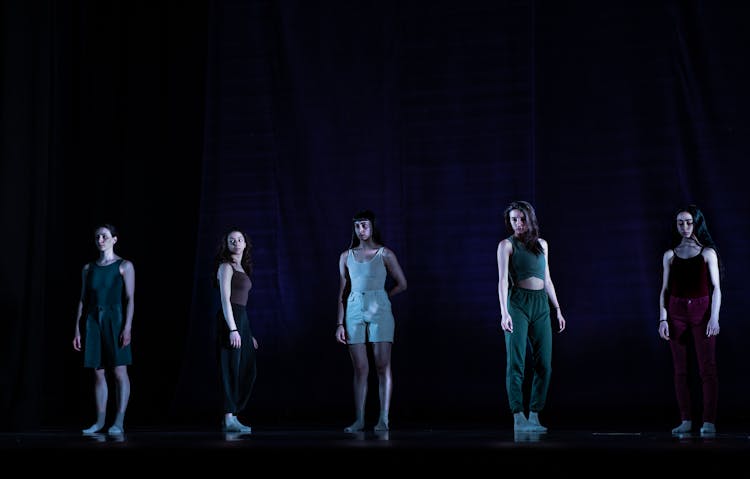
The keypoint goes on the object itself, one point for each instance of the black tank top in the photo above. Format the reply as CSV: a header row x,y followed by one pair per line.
x,y
688,277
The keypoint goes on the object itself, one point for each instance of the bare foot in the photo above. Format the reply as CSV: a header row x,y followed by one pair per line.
x,y
357,426
382,425
95,428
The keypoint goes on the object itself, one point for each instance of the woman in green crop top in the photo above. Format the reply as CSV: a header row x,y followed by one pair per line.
x,y
525,290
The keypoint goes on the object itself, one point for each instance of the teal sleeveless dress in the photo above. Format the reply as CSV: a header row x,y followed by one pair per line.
x,y
104,318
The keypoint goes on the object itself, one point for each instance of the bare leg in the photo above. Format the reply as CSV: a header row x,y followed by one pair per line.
x,y
100,396
382,355
123,396
358,353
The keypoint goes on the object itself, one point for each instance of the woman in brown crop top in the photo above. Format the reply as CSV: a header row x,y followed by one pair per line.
x,y
689,303
236,343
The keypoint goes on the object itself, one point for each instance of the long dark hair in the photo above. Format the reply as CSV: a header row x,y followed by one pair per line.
x,y
223,255
365,215
700,231
531,239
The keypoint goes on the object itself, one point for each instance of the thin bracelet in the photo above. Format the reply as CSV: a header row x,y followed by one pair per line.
x,y
663,321
234,331
339,324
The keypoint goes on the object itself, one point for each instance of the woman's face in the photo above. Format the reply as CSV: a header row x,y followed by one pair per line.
x,y
236,242
685,224
518,222
363,229
104,239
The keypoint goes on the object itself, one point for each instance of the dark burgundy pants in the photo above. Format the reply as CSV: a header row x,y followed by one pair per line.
x,y
688,318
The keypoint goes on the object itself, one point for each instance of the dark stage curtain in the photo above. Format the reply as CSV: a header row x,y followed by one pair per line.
x,y
436,115
285,117
102,121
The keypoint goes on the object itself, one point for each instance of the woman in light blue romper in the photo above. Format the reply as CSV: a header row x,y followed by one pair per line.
x,y
367,316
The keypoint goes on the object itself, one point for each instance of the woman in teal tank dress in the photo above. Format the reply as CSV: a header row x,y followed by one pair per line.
x,y
106,283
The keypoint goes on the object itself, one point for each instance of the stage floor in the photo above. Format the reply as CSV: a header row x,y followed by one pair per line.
x,y
565,452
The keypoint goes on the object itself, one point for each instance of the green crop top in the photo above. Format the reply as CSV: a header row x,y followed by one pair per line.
x,y
523,263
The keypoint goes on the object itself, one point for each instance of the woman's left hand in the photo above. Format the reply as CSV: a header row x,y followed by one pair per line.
x,y
713,328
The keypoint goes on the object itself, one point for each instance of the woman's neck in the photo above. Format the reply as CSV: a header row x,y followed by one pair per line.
x,y
106,257
690,242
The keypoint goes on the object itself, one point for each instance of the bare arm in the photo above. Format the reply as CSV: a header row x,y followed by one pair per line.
x,y
712,260
343,281
128,275
394,269
504,250
224,277
666,262
79,313
549,286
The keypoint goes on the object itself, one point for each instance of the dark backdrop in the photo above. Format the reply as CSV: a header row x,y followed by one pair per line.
x,y
174,120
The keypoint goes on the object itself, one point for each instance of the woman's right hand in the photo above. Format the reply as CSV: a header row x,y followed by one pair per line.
x,y
664,329
341,334
77,342
506,322
235,340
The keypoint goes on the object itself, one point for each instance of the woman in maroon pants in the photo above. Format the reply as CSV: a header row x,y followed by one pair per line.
x,y
689,305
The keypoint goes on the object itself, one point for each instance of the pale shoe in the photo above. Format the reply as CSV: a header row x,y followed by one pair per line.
x,y
684,427
234,425
708,428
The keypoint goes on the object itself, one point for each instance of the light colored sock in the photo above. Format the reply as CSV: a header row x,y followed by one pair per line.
x,y
534,424
242,427
520,423
98,426
708,428
685,426
229,424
